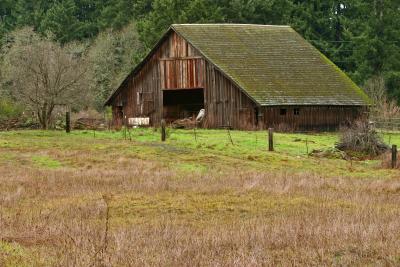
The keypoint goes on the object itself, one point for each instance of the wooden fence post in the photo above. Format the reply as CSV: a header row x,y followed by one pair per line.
x,y
307,146
163,132
270,139
394,156
124,125
230,137
67,122
195,133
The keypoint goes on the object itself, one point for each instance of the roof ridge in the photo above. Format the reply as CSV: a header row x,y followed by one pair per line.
x,y
229,24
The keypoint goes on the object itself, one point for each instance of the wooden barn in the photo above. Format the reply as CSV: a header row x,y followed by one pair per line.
x,y
243,76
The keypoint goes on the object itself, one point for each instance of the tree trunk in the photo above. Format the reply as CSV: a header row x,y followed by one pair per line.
x,y
49,111
44,115
45,125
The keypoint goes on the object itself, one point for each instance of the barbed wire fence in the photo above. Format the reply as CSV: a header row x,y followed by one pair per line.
x,y
258,140
225,138
387,128
252,141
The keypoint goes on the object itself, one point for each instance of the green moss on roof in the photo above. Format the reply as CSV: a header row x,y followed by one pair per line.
x,y
273,64
346,78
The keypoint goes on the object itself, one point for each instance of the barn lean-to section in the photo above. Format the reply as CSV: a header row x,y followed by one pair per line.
x,y
312,117
244,76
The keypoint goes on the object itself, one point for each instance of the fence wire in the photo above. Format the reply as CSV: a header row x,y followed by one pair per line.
x,y
222,139
388,129
295,143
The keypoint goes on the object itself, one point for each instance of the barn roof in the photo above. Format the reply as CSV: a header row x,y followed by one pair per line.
x,y
273,64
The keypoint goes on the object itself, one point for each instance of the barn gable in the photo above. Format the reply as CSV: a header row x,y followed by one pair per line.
x,y
176,81
172,47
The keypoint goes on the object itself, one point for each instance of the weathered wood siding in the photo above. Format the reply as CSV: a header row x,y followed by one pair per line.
x,y
311,117
226,105
177,65
182,73
180,64
141,95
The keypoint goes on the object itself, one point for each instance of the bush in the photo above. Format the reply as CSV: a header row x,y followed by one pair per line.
x,y
9,110
361,139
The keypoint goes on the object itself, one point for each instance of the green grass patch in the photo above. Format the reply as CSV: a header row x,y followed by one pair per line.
x,y
186,151
197,207
7,156
14,255
45,162
191,167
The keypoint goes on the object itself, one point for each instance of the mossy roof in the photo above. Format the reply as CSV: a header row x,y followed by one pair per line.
x,y
274,65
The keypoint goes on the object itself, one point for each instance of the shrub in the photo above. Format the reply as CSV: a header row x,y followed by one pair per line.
x,y
9,110
361,139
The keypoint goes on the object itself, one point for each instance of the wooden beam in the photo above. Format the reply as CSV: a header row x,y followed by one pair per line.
x,y
179,58
173,89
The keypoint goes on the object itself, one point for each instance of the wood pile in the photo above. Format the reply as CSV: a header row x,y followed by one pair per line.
x,y
187,123
89,124
363,139
17,124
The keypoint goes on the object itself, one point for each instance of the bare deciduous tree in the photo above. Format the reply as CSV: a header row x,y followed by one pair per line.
x,y
383,107
43,74
112,56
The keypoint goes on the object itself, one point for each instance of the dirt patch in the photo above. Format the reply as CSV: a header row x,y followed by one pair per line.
x,y
170,148
329,153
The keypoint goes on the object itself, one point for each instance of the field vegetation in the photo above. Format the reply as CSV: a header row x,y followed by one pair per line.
x,y
114,199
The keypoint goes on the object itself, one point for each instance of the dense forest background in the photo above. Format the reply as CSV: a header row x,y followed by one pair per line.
x,y
361,36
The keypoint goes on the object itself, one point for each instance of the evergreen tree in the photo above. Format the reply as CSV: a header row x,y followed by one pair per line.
x,y
167,12
61,21
375,37
273,12
6,18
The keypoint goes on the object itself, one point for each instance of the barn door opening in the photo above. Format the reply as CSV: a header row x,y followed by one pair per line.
x,y
118,115
182,103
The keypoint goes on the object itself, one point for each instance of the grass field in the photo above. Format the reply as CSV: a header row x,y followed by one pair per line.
x,y
96,199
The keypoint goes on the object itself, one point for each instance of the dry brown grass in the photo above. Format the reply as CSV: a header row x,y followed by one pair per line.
x,y
386,161
109,209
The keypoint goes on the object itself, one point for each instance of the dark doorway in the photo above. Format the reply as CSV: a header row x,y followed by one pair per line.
x,y
118,115
180,104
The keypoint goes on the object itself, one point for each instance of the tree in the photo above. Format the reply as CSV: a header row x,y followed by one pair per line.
x,y
6,17
383,108
61,21
116,14
112,56
376,35
167,12
42,74
273,12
